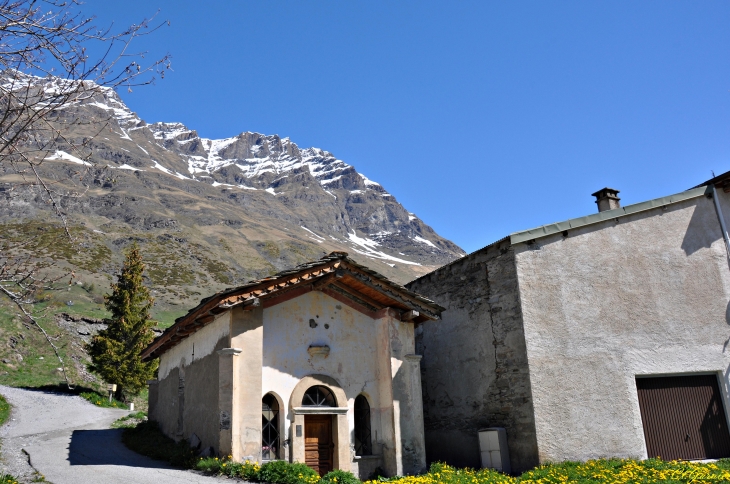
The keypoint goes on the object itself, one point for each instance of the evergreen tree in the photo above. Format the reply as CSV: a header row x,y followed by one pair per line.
x,y
115,351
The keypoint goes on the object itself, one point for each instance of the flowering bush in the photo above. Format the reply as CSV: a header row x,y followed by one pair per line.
x,y
441,473
281,472
339,477
628,471
615,471
209,464
248,471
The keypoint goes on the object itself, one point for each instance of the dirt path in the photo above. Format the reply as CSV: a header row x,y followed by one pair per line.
x,y
68,441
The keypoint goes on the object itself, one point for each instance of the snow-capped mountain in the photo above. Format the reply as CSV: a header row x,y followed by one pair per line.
x,y
257,202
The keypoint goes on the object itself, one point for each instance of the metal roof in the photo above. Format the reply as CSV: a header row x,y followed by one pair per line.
x,y
595,218
559,227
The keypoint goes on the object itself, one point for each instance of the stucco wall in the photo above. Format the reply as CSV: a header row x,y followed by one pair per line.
x,y
373,357
351,337
474,368
198,345
646,294
200,375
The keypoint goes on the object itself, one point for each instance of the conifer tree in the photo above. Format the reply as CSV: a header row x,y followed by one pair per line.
x,y
115,351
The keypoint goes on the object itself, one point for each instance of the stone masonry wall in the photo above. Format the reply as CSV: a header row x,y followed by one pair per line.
x,y
474,367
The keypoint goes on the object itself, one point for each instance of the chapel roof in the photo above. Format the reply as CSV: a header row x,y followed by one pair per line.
x,y
334,274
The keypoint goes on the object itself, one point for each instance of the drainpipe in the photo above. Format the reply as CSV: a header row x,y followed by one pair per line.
x,y
722,221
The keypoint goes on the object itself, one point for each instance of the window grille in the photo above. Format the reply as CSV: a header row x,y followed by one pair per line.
x,y
270,428
363,445
319,396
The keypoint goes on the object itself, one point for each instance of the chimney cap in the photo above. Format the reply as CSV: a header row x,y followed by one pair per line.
x,y
606,192
607,199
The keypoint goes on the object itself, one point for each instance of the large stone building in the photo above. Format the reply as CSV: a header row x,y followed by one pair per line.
x,y
606,335
316,365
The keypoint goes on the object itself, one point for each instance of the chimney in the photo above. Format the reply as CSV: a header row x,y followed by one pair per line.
x,y
607,199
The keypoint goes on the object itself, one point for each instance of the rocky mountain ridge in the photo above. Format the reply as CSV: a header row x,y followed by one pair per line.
x,y
211,213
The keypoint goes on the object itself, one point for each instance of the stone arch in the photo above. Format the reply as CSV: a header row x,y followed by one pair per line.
x,y
311,380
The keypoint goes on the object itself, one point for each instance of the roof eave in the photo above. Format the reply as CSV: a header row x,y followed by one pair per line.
x,y
270,287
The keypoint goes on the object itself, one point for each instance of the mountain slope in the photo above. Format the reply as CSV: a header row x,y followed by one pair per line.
x,y
207,213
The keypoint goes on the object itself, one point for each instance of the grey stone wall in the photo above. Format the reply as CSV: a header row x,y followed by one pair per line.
x,y
195,411
474,367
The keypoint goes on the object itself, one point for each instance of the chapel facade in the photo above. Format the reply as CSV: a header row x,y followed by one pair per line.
x,y
315,365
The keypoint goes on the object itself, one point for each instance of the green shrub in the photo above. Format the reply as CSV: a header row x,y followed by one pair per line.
x,y
281,472
209,464
147,439
339,477
248,471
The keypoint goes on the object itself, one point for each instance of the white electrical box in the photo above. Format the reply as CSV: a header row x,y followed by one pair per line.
x,y
493,449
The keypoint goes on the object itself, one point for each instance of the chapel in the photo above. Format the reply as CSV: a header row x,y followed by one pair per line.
x,y
316,364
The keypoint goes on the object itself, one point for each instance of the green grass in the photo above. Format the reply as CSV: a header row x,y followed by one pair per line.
x,y
50,241
84,303
167,318
102,401
130,421
4,410
592,472
29,359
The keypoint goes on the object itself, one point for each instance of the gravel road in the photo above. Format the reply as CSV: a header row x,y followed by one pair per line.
x,y
68,440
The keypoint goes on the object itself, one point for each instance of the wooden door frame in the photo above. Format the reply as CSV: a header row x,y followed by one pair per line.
x,y
341,458
309,419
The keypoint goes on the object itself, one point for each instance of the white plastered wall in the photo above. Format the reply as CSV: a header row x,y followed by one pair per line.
x,y
198,345
646,294
352,360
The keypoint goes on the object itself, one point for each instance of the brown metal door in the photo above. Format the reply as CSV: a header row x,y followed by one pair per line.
x,y
318,443
683,417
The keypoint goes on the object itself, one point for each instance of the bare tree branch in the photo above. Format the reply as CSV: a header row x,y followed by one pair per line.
x,y
45,68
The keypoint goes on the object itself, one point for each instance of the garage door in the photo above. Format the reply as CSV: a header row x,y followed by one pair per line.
x,y
683,417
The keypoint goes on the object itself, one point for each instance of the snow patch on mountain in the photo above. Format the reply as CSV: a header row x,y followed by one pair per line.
x,y
62,155
367,247
424,241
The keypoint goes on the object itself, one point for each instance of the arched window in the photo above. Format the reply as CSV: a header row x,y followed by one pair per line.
x,y
363,445
319,396
269,428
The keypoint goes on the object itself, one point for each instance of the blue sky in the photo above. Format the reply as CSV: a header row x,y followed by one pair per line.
x,y
483,118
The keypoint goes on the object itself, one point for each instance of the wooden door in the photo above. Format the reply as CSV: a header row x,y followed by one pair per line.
x,y
683,417
318,445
